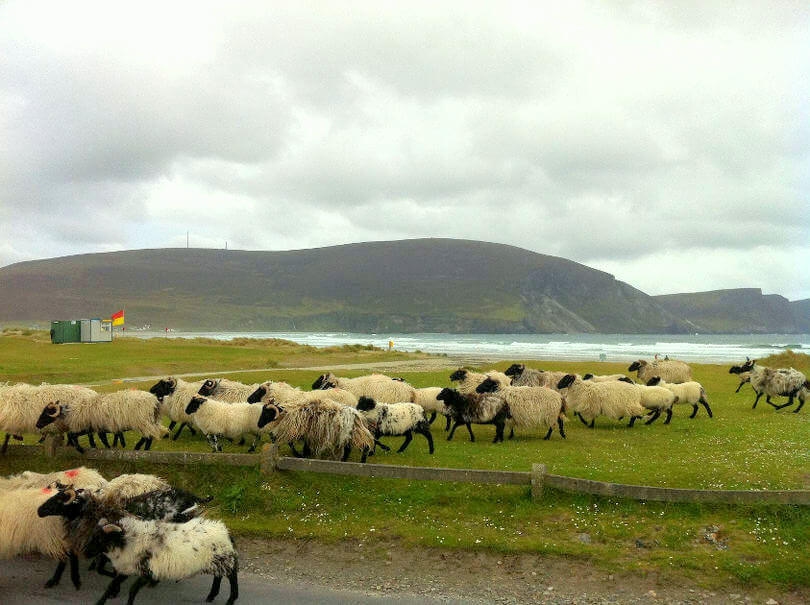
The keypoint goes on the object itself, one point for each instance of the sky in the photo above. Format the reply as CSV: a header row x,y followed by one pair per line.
x,y
667,143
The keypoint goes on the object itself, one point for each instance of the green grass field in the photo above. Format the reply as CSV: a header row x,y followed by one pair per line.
x,y
740,448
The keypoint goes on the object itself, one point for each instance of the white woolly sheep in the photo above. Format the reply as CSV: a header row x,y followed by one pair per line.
x,y
286,394
690,392
23,532
395,419
174,395
529,407
325,427
427,398
612,399
468,380
379,387
127,486
230,420
227,391
81,477
671,370
521,376
781,382
21,405
157,551
472,408
108,412
657,400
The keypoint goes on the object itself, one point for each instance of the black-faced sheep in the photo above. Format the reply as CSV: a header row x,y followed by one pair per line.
x,y
690,392
781,382
379,387
395,419
612,399
529,407
472,408
174,395
671,370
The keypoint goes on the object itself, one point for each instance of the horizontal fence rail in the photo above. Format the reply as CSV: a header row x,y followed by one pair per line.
x,y
270,461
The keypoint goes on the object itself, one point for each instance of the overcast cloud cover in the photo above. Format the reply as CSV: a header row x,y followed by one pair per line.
x,y
667,143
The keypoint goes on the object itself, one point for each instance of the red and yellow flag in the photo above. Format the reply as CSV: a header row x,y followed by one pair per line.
x,y
118,318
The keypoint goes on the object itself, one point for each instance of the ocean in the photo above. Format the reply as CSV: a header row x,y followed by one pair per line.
x,y
710,348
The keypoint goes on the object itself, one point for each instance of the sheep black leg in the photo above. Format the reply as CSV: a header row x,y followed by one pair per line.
x,y
560,425
103,437
5,444
234,582
469,430
632,421
365,455
694,410
214,589
788,404
548,435
18,438
139,583
432,418
447,427
512,432
91,440
252,447
307,452
756,401
578,415
654,416
74,571
112,589
499,426
769,402
453,430
180,430
426,432
592,424
141,441
148,445
119,437
705,404
294,451
739,386
347,449
172,424
57,575
801,405
115,439
669,417
241,441
384,447
408,438
73,438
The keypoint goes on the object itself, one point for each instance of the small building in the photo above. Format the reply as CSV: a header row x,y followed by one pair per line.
x,y
96,330
81,330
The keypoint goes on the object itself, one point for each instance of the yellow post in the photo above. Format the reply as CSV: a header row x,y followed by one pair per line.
x,y
390,345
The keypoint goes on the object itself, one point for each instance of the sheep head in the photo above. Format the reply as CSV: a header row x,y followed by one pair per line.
x,y
50,413
566,381
195,404
208,387
636,365
488,386
366,404
587,377
516,369
106,535
256,396
653,381
67,502
164,387
271,412
458,375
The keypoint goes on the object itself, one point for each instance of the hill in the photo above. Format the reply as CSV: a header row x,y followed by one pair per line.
x,y
424,285
739,310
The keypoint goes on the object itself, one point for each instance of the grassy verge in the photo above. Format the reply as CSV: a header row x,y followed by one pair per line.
x,y
739,448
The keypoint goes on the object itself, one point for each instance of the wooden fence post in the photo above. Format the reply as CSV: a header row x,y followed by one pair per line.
x,y
269,458
51,443
538,474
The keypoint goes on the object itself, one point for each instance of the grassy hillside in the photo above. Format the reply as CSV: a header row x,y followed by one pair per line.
x,y
736,310
404,286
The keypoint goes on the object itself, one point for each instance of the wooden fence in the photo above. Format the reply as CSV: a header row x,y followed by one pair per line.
x,y
271,461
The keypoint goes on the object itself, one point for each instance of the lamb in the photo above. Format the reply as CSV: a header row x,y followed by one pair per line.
x,y
230,420
174,395
686,392
156,551
671,370
529,407
396,419
379,387
657,399
521,376
110,412
81,477
426,397
21,405
472,408
612,399
23,532
325,427
782,382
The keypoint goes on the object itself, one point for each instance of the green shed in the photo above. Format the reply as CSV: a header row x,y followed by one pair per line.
x,y
66,331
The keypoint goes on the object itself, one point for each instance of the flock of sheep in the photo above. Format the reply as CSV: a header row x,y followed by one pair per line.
x,y
145,528
139,524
